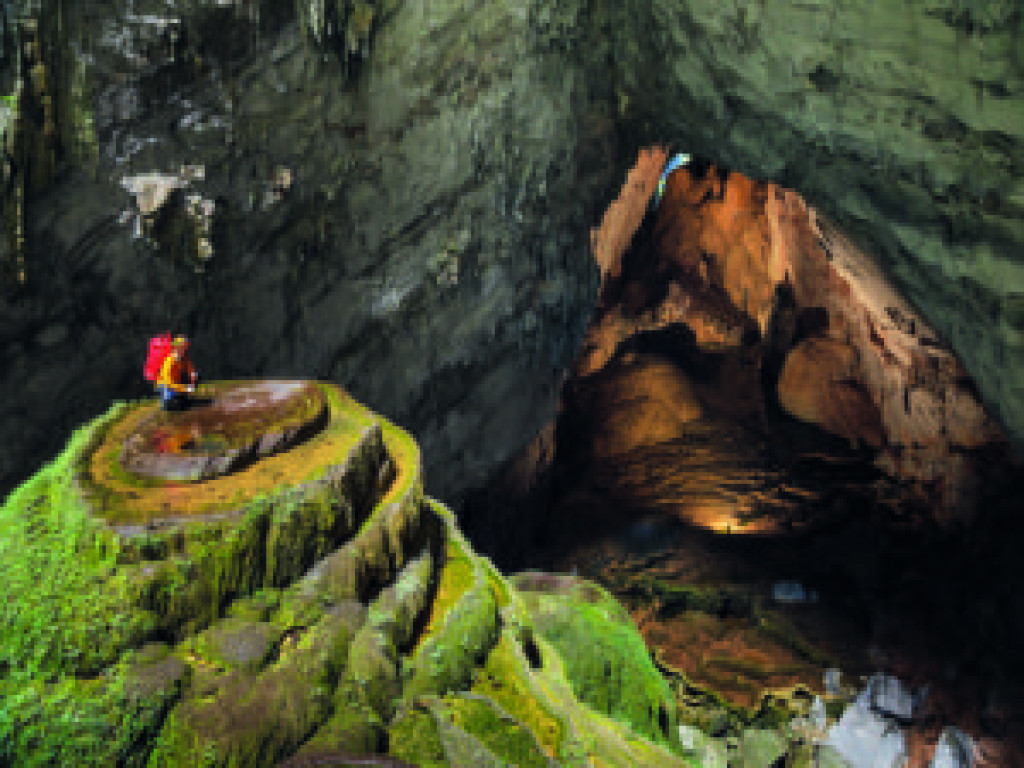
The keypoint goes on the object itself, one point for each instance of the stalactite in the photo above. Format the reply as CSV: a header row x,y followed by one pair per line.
x,y
36,127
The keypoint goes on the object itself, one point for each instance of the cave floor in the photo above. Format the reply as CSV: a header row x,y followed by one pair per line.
x,y
756,551
677,485
676,488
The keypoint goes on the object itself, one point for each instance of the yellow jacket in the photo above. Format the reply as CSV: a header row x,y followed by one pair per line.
x,y
171,374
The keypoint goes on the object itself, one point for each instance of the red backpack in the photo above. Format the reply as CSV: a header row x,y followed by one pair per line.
x,y
159,348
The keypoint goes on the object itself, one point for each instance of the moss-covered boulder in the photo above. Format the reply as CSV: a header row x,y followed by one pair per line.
x,y
308,605
608,664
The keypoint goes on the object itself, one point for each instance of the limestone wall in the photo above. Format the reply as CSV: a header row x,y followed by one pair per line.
x,y
445,164
429,250
904,122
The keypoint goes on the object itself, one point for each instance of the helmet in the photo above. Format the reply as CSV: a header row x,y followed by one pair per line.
x,y
180,341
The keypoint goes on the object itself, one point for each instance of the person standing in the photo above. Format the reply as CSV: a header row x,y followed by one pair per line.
x,y
177,378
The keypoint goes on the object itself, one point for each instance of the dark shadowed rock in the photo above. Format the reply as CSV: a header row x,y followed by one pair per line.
x,y
398,197
402,208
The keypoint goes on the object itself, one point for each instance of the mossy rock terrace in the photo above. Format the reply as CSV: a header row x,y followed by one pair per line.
x,y
309,606
225,428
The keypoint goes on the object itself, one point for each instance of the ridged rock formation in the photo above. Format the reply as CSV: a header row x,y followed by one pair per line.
x,y
849,354
315,602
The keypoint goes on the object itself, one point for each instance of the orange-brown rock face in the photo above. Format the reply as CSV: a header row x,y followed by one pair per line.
x,y
859,361
610,240
749,270
719,228
818,384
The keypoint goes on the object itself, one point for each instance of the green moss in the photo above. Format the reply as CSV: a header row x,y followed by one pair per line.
x,y
373,667
353,729
460,746
455,579
503,680
106,720
413,737
65,610
498,584
497,730
541,697
235,644
377,553
259,606
78,597
255,720
274,652
445,661
605,657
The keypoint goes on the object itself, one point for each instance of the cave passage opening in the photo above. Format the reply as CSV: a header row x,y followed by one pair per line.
x,y
755,407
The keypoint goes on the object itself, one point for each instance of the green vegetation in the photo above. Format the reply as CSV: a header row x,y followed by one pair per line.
x,y
65,606
65,618
336,610
606,660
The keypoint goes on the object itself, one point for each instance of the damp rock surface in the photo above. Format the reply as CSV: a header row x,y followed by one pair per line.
x,y
393,197
312,608
223,428
903,123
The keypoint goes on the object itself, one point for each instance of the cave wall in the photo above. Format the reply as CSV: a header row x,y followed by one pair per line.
x,y
402,192
904,122
403,210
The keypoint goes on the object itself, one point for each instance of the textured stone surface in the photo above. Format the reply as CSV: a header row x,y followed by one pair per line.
x,y
444,166
429,251
223,429
227,641
904,123
815,386
841,348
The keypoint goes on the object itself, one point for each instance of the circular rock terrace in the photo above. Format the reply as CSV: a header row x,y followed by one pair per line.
x,y
311,602
237,440
225,432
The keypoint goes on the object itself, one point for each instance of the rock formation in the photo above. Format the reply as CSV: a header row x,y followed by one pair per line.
x,y
446,164
903,125
394,197
749,267
312,604
849,354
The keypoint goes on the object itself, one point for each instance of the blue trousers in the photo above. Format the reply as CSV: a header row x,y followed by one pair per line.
x,y
171,400
175,401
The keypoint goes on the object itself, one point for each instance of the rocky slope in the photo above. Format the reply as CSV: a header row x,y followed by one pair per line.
x,y
312,605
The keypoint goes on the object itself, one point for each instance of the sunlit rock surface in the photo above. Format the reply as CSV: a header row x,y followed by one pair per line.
x,y
842,349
